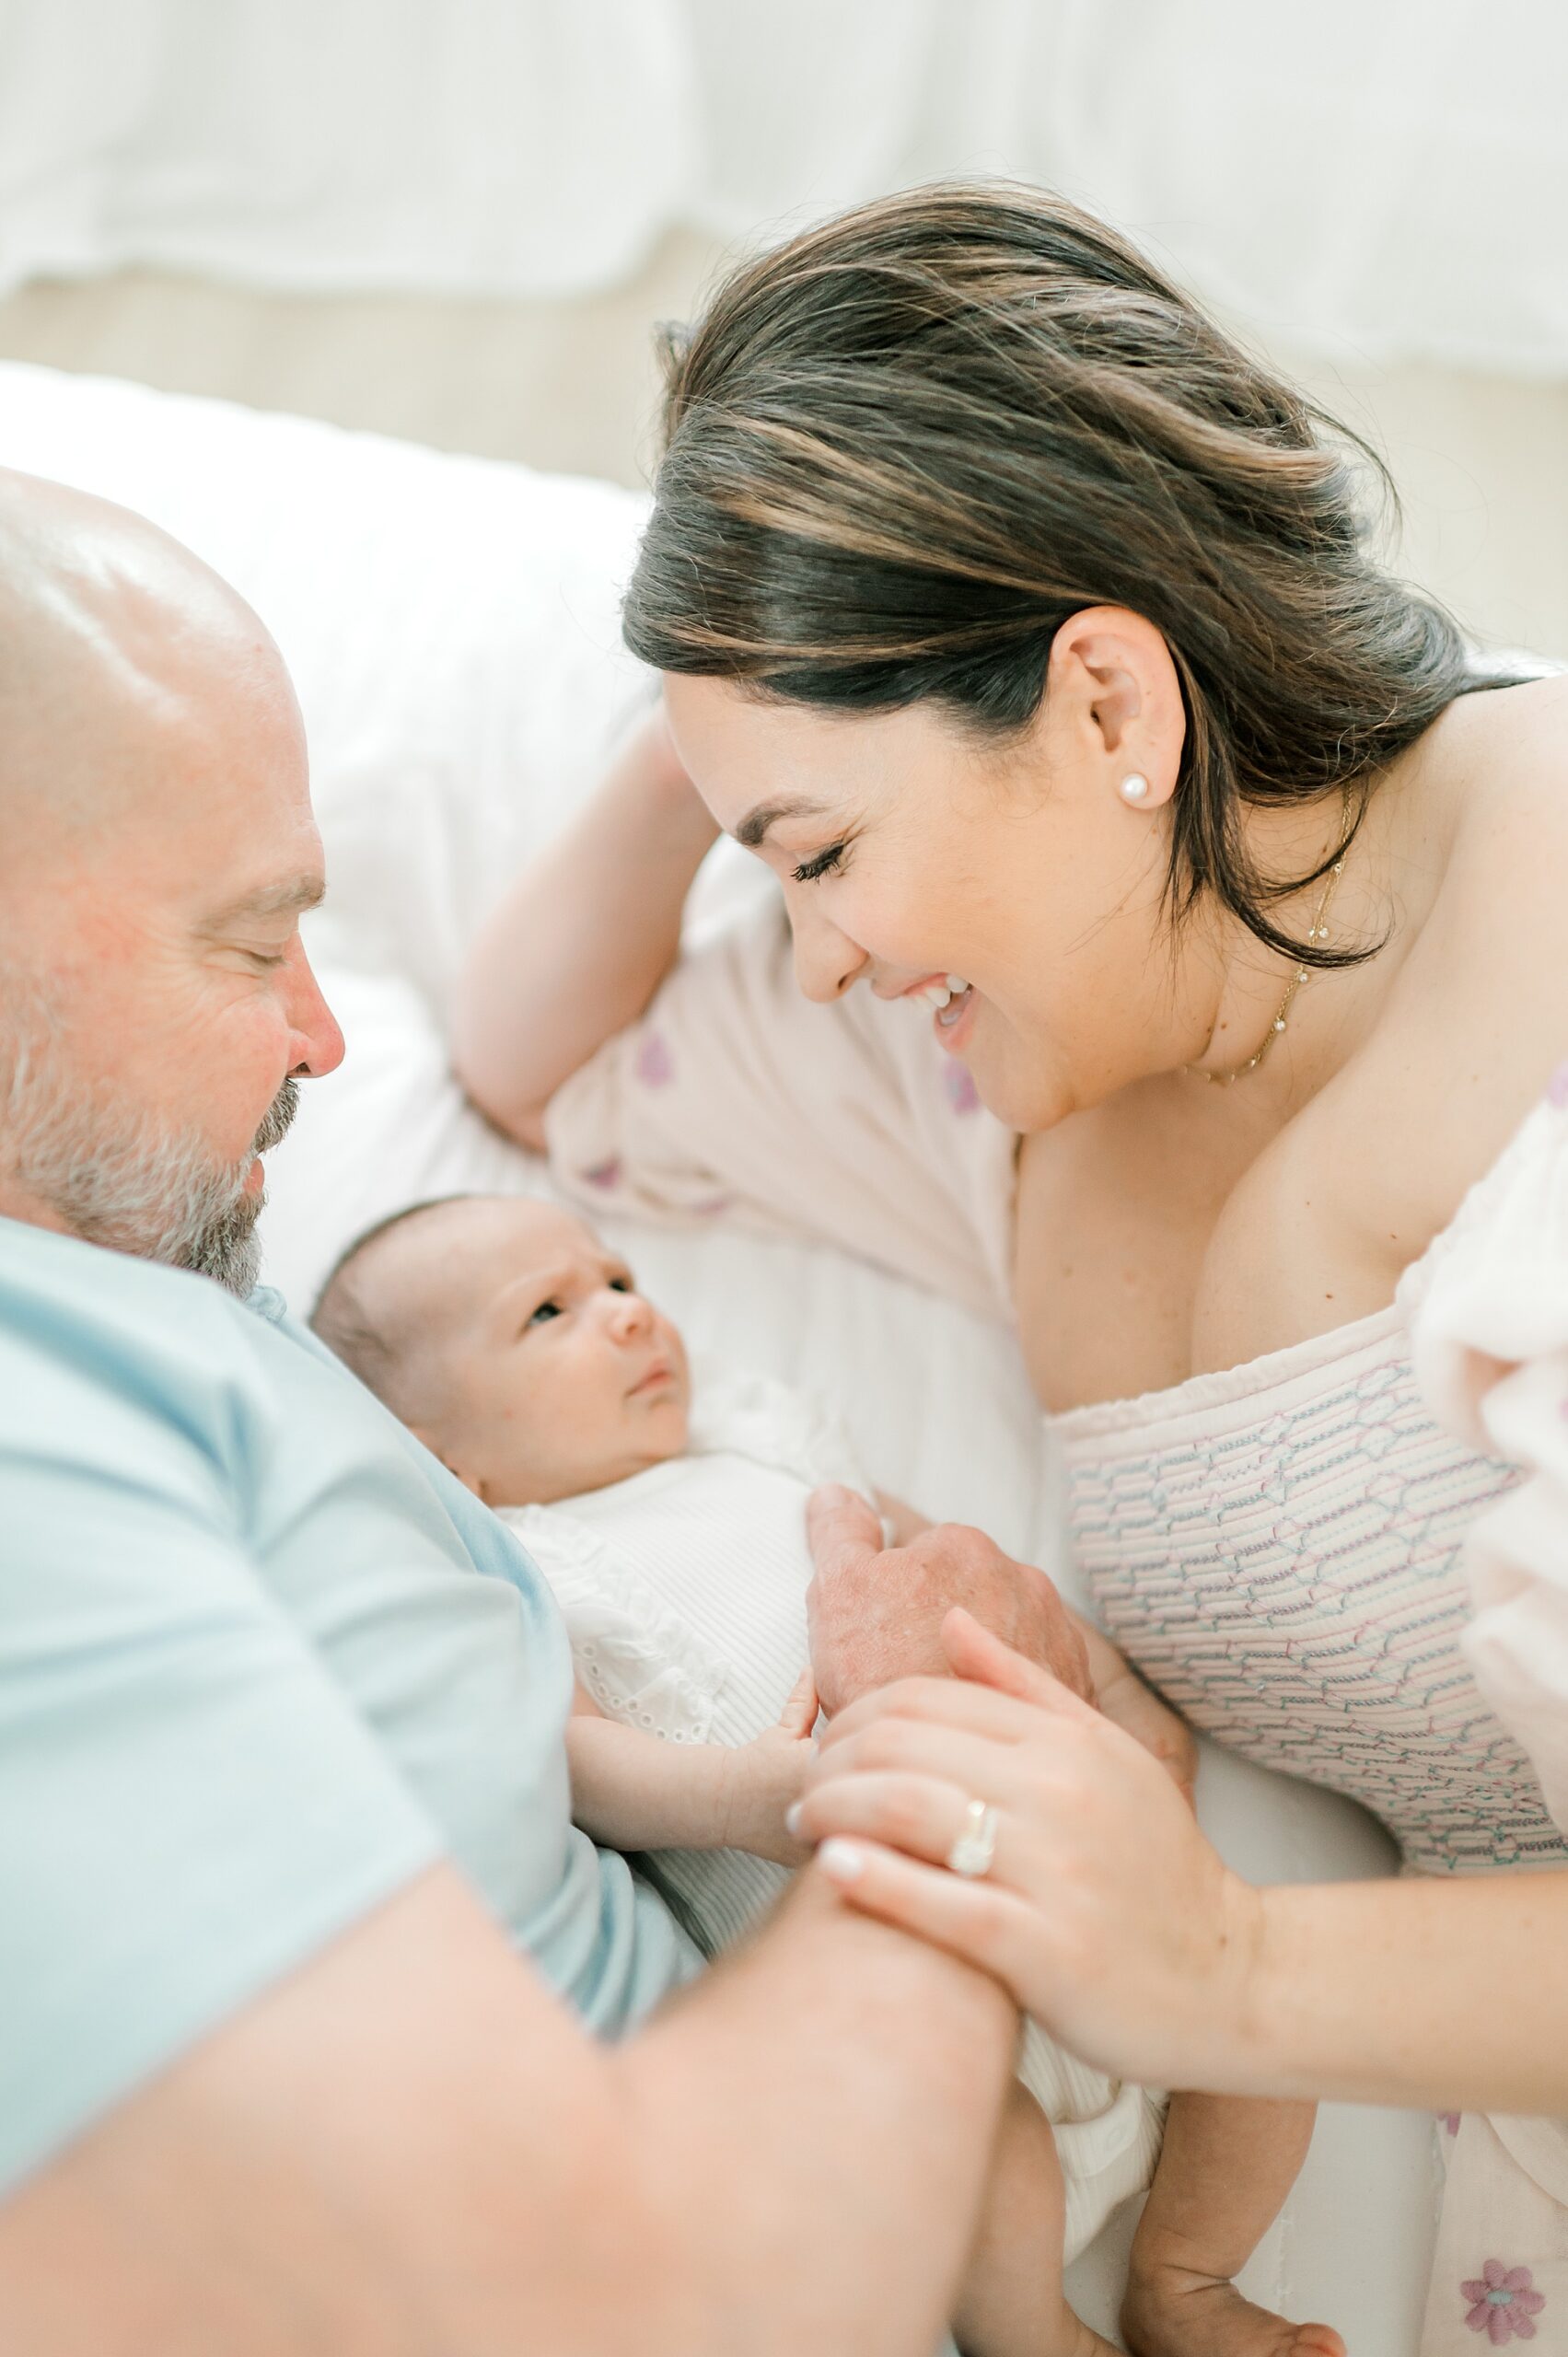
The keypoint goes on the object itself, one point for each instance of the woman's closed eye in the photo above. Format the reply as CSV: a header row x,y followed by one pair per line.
x,y
822,863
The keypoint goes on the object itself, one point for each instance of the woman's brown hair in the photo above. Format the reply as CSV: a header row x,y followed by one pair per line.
x,y
902,449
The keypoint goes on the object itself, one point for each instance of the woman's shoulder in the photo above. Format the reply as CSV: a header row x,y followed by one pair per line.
x,y
1490,957
1477,1018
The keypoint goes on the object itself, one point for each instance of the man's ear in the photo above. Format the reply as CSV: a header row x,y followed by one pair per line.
x,y
463,1473
1113,681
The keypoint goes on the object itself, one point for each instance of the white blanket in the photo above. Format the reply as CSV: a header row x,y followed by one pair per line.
x,y
451,627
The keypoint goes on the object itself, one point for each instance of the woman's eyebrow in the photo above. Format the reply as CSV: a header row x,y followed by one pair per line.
x,y
755,824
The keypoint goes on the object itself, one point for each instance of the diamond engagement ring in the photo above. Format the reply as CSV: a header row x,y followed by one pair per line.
x,y
972,1852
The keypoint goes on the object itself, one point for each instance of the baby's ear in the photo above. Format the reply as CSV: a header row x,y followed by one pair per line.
x,y
469,1480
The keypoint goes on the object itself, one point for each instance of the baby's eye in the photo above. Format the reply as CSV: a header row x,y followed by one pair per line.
x,y
546,1310
621,1285
822,863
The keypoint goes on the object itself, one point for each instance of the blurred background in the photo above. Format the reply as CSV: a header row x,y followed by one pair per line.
x,y
459,220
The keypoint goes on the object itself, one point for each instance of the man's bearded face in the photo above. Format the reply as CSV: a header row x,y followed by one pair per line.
x,y
102,1164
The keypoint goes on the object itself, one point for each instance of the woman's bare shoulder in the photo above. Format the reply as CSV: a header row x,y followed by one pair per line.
x,y
1500,763
1478,1019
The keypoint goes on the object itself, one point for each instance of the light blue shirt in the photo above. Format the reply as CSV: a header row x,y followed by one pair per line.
x,y
261,1661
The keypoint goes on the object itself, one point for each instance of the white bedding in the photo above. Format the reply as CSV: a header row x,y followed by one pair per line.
x,y
450,623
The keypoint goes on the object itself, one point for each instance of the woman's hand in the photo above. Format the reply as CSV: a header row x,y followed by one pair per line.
x,y
1105,1911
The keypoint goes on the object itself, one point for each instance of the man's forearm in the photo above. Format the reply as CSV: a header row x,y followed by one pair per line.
x,y
831,2093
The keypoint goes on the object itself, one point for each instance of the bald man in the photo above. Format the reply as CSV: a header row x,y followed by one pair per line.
x,y
301,1960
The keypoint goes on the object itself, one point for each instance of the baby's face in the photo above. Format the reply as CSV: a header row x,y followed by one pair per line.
x,y
550,1373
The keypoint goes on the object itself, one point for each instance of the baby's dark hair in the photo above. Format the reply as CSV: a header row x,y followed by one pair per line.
x,y
347,1321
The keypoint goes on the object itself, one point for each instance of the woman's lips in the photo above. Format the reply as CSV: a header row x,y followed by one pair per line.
x,y
936,988
955,1022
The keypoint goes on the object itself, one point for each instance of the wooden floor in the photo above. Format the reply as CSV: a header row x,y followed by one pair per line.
x,y
1482,462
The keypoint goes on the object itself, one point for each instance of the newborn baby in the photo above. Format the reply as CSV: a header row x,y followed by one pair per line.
x,y
672,1530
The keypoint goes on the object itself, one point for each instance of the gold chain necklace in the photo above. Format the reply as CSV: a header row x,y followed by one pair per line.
x,y
1317,931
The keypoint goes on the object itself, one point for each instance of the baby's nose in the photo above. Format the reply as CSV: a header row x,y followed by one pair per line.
x,y
629,1313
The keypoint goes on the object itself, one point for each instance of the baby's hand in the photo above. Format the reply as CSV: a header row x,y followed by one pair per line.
x,y
1130,1703
766,1778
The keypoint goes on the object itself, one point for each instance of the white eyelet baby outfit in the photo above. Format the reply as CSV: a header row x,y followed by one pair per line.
x,y
683,1590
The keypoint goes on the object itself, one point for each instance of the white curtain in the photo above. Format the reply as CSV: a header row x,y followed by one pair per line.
x,y
1388,178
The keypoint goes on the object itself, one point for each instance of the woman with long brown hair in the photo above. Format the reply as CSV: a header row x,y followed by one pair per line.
x,y
1033,633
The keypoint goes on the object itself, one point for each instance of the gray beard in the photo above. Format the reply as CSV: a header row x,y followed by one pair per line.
x,y
109,1173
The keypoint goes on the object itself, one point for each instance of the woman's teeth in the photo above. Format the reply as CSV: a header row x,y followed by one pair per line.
x,y
937,995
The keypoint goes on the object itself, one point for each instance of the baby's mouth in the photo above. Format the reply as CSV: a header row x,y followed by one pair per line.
x,y
661,1372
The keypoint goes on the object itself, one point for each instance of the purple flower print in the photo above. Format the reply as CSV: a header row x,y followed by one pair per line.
x,y
1557,1087
654,1066
1504,2303
962,1094
603,1173
1450,2120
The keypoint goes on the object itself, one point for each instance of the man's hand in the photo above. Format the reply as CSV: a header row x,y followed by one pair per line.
x,y
876,1613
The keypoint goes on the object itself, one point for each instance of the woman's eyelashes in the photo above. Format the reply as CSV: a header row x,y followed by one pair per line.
x,y
822,863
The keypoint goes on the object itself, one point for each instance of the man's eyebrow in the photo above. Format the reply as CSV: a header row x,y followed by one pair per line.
x,y
288,900
756,824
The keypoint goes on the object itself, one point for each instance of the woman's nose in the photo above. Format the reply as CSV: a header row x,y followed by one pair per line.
x,y
826,960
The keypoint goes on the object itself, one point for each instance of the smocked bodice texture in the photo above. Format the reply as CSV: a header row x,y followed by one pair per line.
x,y
1277,1549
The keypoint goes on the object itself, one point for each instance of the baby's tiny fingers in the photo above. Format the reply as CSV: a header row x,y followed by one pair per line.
x,y
799,1713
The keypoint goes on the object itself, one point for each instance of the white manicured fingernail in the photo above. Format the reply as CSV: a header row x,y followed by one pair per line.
x,y
841,1861
793,1816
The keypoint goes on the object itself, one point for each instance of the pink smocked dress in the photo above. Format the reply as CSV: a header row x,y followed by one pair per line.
x,y
1349,1560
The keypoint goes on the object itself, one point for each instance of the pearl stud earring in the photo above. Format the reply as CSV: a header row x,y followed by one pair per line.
x,y
1135,788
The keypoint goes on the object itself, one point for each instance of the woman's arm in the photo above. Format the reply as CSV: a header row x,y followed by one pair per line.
x,y
635,1791
581,942
1115,1924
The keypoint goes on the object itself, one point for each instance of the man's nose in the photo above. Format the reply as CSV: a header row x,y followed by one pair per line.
x,y
317,1047
826,960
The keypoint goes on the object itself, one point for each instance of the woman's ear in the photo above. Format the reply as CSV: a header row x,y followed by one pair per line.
x,y
1113,684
